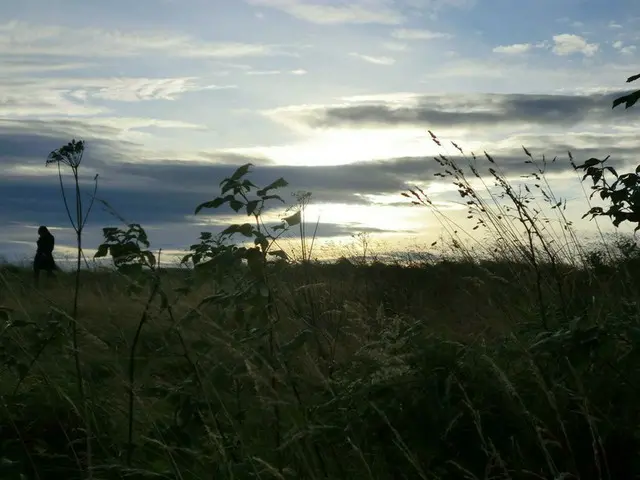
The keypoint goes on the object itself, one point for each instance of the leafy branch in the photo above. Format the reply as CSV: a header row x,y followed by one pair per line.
x,y
623,192
630,99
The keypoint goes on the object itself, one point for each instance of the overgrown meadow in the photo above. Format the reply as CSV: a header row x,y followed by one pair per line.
x,y
513,357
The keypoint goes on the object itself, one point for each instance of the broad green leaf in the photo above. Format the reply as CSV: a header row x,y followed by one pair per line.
x,y
262,241
280,254
215,203
22,323
294,219
279,183
590,163
633,78
150,257
241,171
255,261
245,229
164,300
103,250
227,185
5,313
248,185
298,341
236,205
629,100
273,197
251,206
216,299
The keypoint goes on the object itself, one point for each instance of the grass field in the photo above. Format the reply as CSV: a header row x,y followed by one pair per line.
x,y
519,361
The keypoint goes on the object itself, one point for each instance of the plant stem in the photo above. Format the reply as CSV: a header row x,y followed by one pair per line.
x,y
132,366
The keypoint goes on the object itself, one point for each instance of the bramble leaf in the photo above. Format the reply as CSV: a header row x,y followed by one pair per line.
x,y
241,171
279,183
245,229
294,219
629,100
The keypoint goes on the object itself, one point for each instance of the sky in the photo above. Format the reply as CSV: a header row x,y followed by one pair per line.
x,y
336,97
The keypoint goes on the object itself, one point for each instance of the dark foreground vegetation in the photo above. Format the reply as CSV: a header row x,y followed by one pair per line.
x,y
517,357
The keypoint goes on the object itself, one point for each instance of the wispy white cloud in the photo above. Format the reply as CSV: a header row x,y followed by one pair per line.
x,y
569,44
394,46
418,34
79,97
324,13
299,71
519,48
9,67
515,48
139,89
376,60
20,38
43,103
622,48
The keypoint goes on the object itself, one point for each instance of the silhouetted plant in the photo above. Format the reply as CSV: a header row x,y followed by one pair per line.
x,y
511,216
623,191
71,155
630,99
241,193
130,253
218,251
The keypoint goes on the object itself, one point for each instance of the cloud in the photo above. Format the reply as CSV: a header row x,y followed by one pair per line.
x,y
25,39
21,66
569,44
140,89
373,59
516,48
394,46
418,34
481,110
162,194
299,71
323,13
622,48
563,45
124,89
27,96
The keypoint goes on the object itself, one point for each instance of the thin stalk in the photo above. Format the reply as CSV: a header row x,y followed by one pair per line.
x,y
132,367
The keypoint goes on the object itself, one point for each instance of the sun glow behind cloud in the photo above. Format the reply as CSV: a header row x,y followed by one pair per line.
x,y
341,147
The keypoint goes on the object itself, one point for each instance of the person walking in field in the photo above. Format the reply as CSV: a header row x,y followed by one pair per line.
x,y
44,254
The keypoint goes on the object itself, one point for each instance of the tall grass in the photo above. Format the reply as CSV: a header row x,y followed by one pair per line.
x,y
512,357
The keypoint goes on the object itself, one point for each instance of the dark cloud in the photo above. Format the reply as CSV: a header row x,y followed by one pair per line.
x,y
29,142
435,112
162,195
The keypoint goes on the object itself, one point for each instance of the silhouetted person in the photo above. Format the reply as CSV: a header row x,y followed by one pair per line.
x,y
44,254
